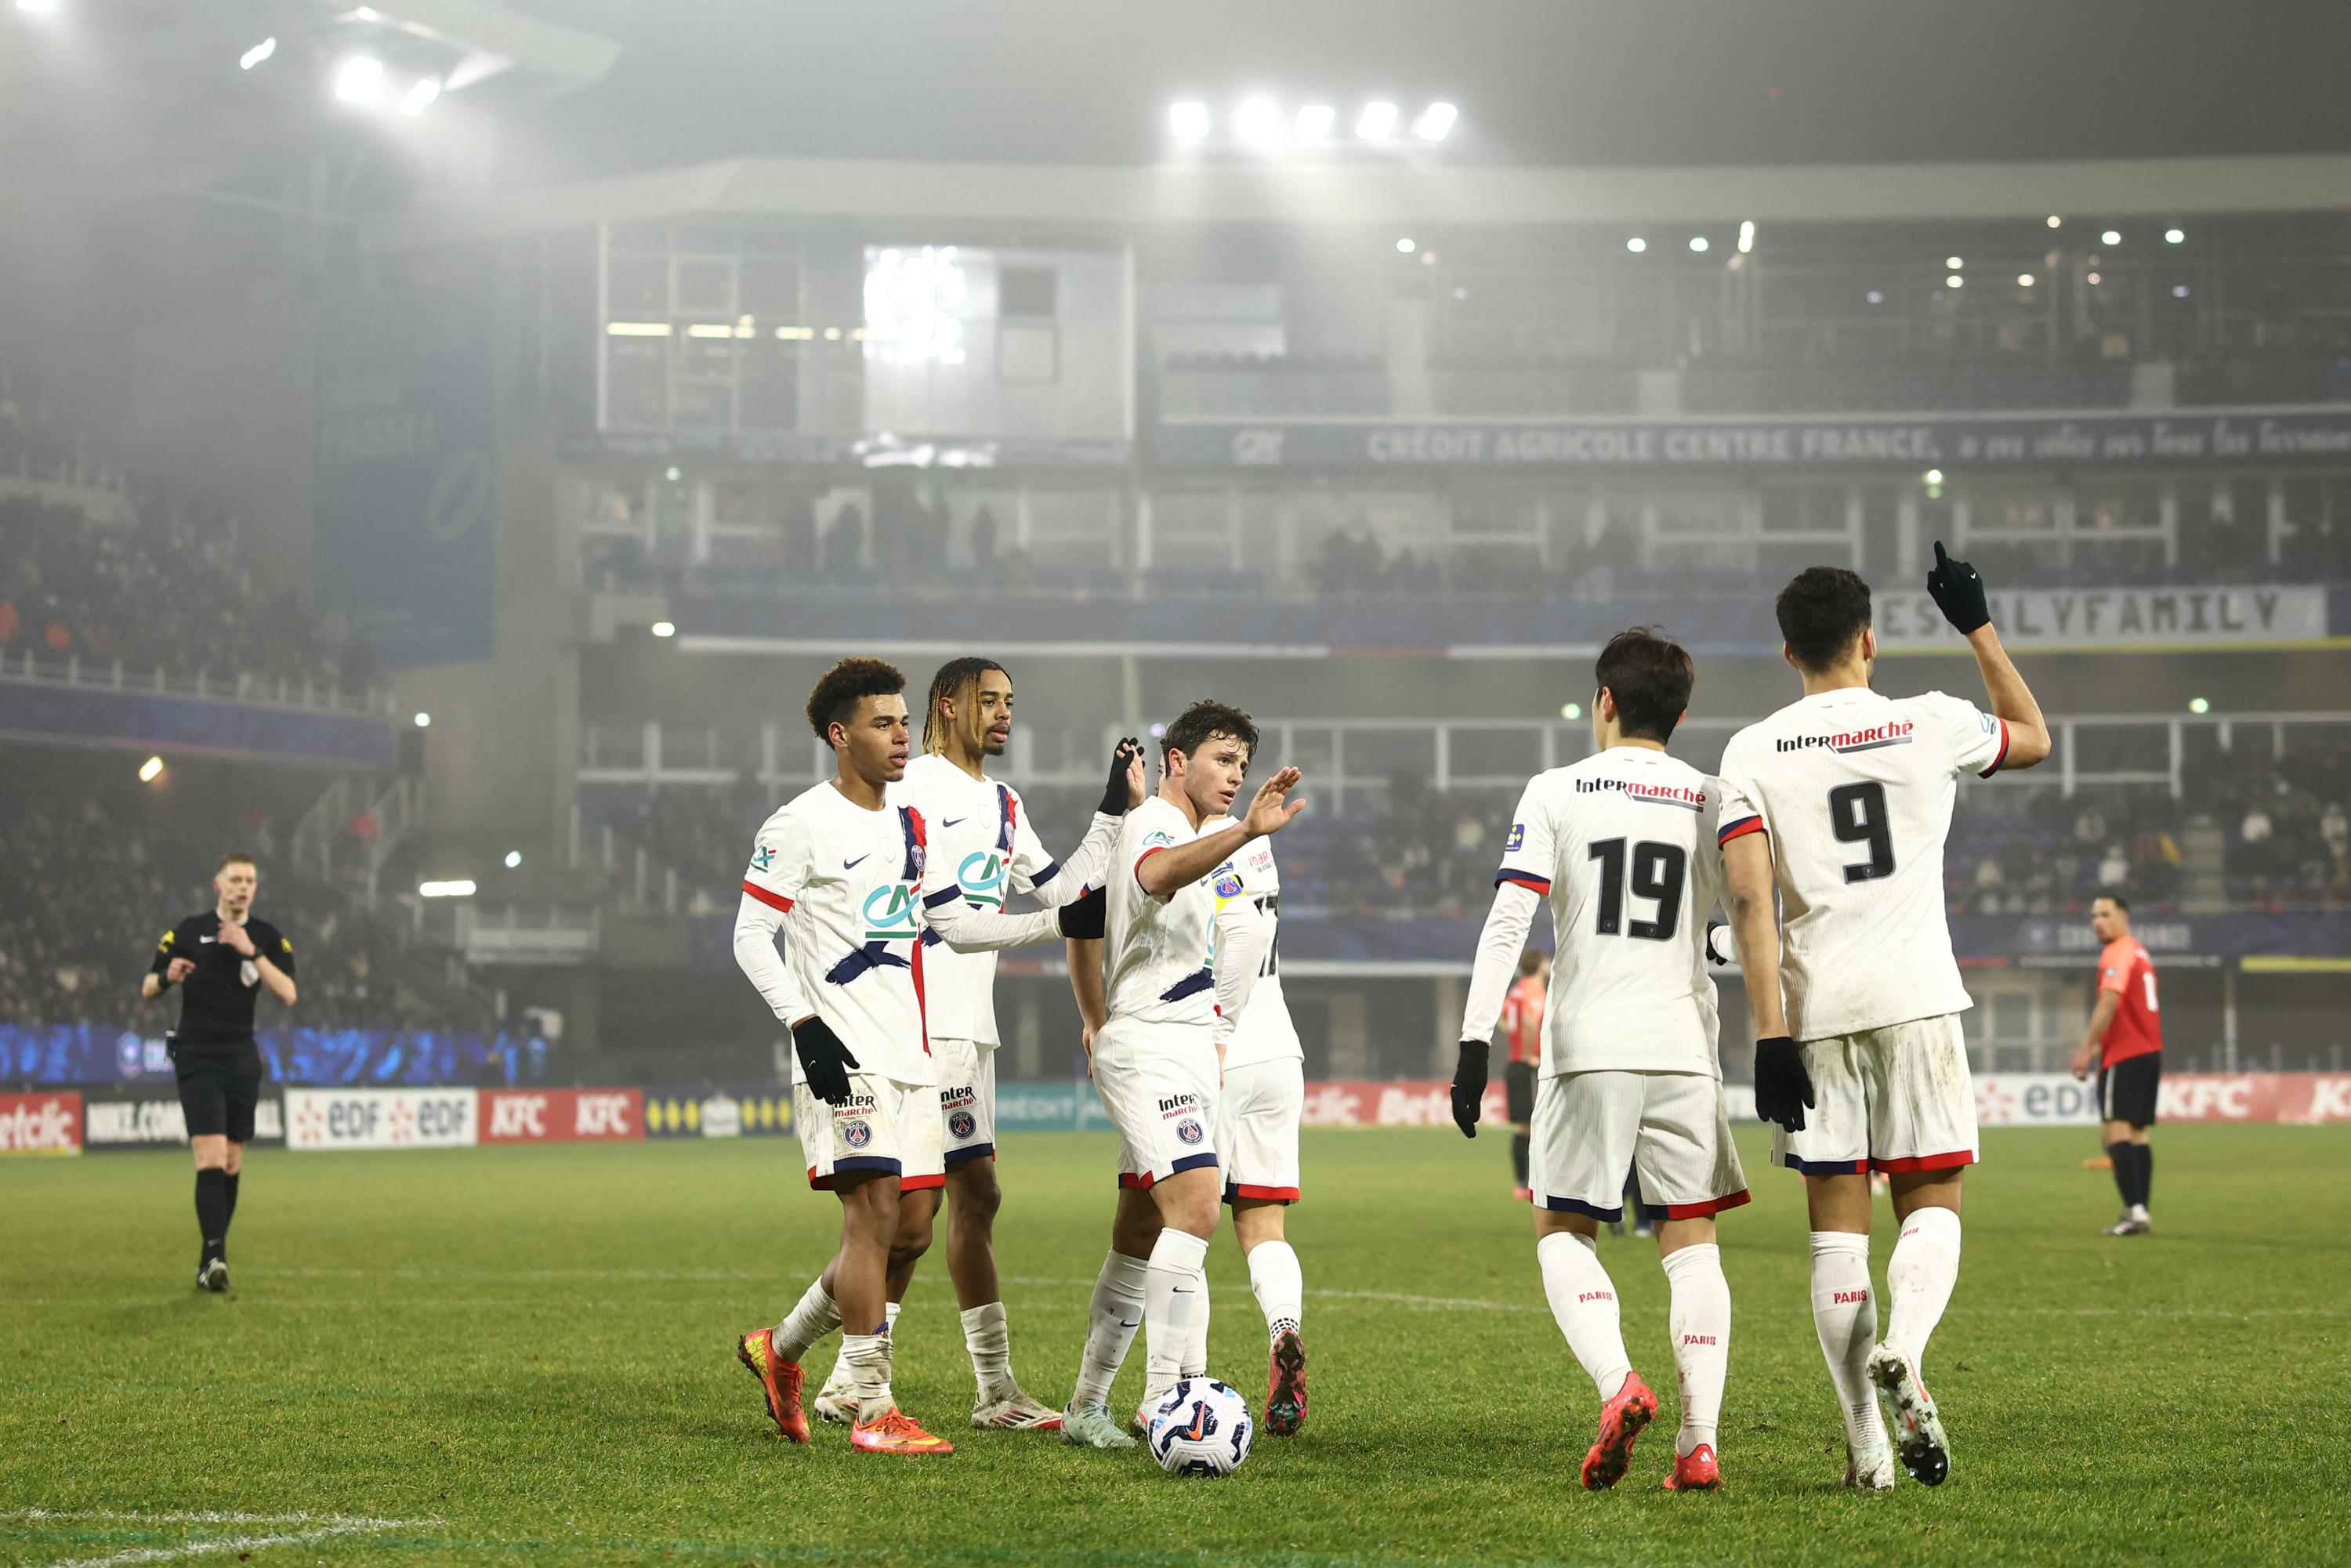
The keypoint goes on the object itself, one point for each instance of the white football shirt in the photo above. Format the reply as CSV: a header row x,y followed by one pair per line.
x,y
980,835
1157,962
1247,895
849,883
1622,844
1855,790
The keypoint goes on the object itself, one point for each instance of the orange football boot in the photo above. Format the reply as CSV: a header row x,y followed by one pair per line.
x,y
1696,1472
895,1432
780,1380
1621,1420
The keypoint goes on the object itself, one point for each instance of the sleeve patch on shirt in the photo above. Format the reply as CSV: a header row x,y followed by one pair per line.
x,y
1518,837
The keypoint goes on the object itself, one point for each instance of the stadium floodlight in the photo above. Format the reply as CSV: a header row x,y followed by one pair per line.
x,y
1953,263
421,97
514,859
1314,121
1436,122
665,628
2112,236
1258,123
455,887
2093,279
1377,123
1637,245
1571,710
1698,244
636,328
2024,280
358,78
38,7
424,721
2180,291
1934,476
1406,245
258,53
2199,705
1955,281
150,770
1188,120
2173,236
2056,221
1875,296
1746,236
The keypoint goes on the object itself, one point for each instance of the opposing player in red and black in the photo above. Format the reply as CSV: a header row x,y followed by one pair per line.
x,y
223,958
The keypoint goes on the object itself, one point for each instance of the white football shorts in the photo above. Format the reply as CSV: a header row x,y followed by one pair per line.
x,y
1158,1083
1892,1099
1591,1130
1257,1111
886,1126
966,1072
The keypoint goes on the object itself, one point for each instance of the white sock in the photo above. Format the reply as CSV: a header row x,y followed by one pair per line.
x,y
1583,1300
1175,1308
989,1340
817,1315
1918,1279
1279,1286
867,1357
1844,1315
1116,1314
842,1376
1700,1321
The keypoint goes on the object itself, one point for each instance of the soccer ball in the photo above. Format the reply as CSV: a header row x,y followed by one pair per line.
x,y
1201,1428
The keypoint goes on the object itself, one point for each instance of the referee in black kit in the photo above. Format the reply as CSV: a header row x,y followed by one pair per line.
x,y
224,957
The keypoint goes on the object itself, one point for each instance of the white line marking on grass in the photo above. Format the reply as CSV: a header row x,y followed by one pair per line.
x,y
316,1527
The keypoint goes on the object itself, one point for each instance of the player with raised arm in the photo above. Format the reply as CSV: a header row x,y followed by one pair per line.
x,y
846,875
226,958
981,835
2124,1043
1260,1103
1623,845
1151,1031
1839,804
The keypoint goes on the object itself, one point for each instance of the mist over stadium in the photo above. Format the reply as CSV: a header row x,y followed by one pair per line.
x,y
443,442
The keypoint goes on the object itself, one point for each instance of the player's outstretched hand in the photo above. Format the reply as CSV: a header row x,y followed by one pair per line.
x,y
1959,592
1271,809
1085,918
1783,1090
824,1060
1469,1086
1125,788
178,969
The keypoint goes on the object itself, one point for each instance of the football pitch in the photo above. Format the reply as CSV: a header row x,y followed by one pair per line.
x,y
526,1356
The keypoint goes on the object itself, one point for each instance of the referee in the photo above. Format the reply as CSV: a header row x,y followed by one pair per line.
x,y
2124,1039
224,957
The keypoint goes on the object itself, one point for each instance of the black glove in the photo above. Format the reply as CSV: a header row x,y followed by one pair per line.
x,y
1718,950
1783,1090
1114,802
1959,592
1086,916
824,1060
1469,1086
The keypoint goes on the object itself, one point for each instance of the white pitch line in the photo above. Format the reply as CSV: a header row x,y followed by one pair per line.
x,y
316,1528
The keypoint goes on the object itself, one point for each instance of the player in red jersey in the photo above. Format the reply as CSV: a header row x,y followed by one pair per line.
x,y
1523,1018
2124,1043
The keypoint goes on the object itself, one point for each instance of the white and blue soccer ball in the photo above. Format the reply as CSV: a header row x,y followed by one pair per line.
x,y
1201,1428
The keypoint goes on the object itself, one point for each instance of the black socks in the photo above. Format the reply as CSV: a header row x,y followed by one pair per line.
x,y
232,1204
2134,1172
1518,1156
213,1203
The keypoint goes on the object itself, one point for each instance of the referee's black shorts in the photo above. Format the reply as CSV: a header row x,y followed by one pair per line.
x,y
1519,1087
220,1084
2126,1091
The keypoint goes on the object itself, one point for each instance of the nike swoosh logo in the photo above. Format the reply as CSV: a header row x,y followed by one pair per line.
x,y
1124,1325
949,821
861,860
207,938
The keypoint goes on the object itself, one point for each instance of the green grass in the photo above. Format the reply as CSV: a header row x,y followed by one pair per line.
x,y
526,1356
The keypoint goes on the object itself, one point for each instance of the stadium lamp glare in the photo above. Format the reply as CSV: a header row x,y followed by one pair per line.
x,y
1377,123
1258,123
2056,221
424,721
1953,263
2112,236
2093,279
2173,236
665,628
1698,244
421,97
1571,710
1746,236
1314,121
1637,245
38,7
455,887
1875,296
1436,122
1955,281
357,78
150,770
1406,245
2180,291
1188,120
258,53
1934,476
514,859
2199,705
2024,280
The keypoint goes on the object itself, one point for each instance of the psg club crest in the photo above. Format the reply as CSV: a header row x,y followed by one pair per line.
x,y
857,1134
1189,1131
1227,885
